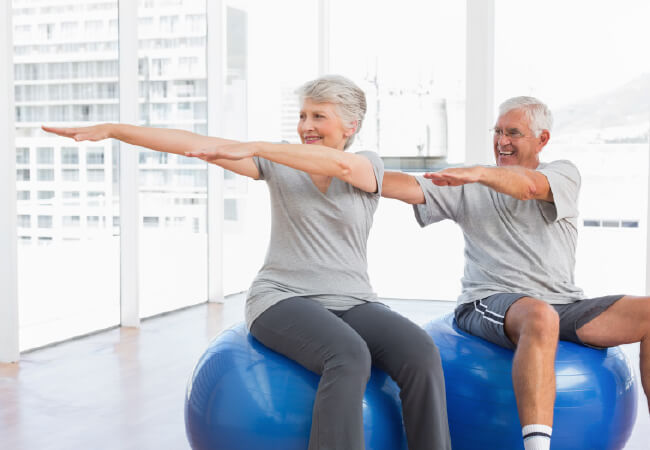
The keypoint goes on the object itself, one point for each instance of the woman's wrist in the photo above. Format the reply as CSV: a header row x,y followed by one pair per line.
x,y
112,130
261,148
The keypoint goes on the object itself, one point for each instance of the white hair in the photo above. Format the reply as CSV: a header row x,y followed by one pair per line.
x,y
349,99
538,115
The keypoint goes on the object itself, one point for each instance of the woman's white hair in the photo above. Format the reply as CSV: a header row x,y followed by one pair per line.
x,y
538,115
349,99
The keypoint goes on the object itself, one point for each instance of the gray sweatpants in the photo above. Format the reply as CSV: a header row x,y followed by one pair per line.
x,y
341,346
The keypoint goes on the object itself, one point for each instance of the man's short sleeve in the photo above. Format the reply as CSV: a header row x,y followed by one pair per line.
x,y
377,167
564,179
441,202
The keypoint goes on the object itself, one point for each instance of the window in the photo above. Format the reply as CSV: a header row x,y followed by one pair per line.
x,y
71,221
44,221
45,155
93,26
404,72
69,155
96,198
94,155
172,60
150,222
70,194
24,221
597,121
46,31
45,174
95,175
70,174
22,155
68,29
45,195
22,174
92,221
44,240
66,71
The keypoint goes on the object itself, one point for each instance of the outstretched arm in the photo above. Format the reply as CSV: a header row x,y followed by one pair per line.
x,y
159,139
401,186
515,181
354,169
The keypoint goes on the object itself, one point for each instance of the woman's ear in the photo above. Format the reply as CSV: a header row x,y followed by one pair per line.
x,y
353,129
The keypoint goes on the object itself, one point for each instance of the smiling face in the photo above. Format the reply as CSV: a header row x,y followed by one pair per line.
x,y
320,124
515,143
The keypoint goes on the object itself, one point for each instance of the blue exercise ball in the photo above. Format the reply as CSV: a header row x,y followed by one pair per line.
x,y
244,396
595,405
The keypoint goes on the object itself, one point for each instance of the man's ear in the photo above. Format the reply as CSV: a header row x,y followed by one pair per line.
x,y
544,138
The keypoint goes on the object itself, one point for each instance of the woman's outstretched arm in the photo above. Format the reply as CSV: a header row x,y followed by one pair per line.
x,y
354,169
159,139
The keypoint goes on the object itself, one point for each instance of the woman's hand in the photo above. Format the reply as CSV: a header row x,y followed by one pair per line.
x,y
93,133
233,152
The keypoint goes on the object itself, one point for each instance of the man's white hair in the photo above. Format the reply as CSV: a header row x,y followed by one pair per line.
x,y
538,115
349,99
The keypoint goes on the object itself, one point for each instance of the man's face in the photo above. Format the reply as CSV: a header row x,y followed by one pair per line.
x,y
514,142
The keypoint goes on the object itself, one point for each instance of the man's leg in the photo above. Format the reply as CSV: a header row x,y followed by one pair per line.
x,y
533,326
625,322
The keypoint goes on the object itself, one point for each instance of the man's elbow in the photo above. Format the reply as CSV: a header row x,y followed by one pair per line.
x,y
411,198
528,192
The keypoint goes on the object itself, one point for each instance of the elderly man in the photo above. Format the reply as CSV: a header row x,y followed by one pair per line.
x,y
519,221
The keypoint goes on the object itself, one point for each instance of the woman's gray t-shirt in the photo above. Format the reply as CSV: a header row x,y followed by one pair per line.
x,y
318,240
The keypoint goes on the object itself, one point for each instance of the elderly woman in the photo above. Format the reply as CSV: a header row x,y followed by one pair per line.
x,y
312,300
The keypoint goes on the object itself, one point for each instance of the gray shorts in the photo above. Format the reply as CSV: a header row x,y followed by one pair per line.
x,y
485,318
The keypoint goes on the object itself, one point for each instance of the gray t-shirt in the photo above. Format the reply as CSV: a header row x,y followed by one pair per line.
x,y
318,241
511,245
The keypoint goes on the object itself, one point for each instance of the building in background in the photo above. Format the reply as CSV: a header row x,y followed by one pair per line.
x,y
66,74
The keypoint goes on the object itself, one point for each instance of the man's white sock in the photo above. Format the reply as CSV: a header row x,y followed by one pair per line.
x,y
537,437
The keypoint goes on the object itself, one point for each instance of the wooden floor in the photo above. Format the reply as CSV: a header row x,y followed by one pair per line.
x,y
124,388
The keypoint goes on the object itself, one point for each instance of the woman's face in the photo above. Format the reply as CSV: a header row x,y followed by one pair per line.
x,y
320,124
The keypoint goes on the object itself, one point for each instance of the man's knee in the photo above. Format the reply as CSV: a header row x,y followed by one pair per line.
x,y
534,319
644,316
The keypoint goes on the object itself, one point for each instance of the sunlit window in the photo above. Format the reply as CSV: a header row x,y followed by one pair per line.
x,y
596,87
66,74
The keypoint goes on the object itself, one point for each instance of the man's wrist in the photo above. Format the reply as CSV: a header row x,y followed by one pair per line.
x,y
481,174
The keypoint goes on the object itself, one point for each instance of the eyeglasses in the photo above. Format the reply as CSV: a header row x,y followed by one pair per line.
x,y
511,134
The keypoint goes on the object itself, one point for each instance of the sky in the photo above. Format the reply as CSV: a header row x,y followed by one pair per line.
x,y
563,51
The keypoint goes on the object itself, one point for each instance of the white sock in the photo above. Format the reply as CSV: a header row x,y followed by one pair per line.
x,y
537,437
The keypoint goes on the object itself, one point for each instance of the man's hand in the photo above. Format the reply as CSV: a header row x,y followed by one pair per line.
x,y
455,176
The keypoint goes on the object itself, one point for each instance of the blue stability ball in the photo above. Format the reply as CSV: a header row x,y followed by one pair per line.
x,y
595,405
244,396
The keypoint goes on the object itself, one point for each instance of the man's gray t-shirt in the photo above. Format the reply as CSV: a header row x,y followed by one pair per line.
x,y
318,240
511,245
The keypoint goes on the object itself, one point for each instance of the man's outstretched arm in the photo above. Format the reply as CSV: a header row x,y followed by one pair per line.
x,y
515,181
402,186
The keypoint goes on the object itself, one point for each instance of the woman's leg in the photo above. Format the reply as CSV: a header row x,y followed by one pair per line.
x,y
407,353
304,331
